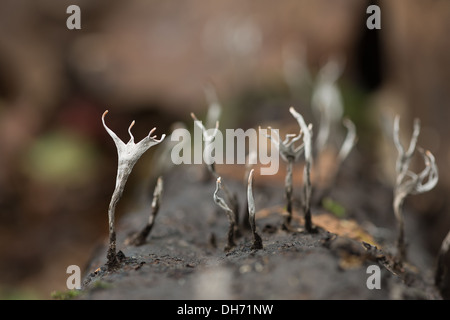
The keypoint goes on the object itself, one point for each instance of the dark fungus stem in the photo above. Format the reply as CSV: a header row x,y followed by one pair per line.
x,y
111,256
230,214
245,221
257,241
307,198
122,175
401,245
230,235
399,198
140,237
288,187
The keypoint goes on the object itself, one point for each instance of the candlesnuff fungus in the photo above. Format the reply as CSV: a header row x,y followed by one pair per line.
x,y
290,154
128,155
328,108
251,159
139,238
209,139
326,101
307,188
257,241
408,182
230,214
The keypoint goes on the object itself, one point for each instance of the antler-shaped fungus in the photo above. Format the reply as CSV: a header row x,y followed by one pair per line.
x,y
128,155
408,182
290,154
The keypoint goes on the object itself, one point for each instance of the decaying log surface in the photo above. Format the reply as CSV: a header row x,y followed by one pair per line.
x,y
184,256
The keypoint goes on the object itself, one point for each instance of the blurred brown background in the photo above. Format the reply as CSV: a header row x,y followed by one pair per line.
x,y
149,61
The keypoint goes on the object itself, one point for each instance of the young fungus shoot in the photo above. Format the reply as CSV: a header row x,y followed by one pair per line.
x,y
257,241
251,159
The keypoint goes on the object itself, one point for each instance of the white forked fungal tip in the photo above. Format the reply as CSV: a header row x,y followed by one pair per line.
x,y
120,143
412,145
250,177
150,133
286,147
129,129
306,129
208,137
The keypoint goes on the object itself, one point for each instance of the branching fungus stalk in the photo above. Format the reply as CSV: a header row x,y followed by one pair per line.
x,y
230,214
408,182
128,155
139,238
257,241
307,187
290,154
209,139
